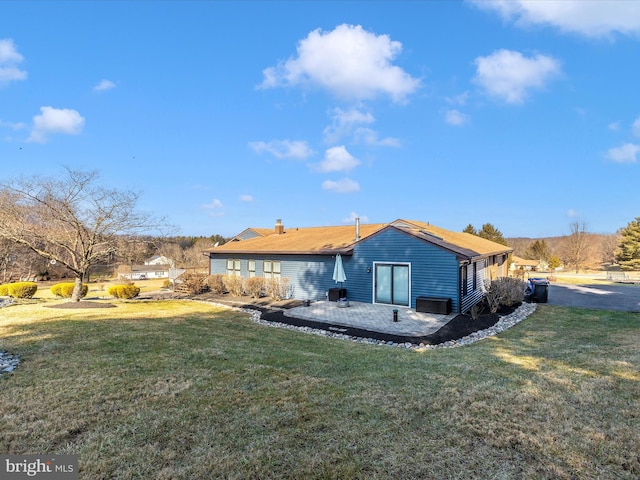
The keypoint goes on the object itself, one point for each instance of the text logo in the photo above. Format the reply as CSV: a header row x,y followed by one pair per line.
x,y
49,467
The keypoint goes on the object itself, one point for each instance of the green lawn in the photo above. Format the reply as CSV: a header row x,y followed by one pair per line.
x,y
185,390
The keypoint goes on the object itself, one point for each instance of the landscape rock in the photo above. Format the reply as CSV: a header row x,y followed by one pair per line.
x,y
508,321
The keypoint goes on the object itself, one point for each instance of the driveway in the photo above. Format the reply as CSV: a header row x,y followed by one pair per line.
x,y
604,297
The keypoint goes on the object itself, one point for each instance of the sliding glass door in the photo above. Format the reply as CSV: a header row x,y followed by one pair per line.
x,y
392,283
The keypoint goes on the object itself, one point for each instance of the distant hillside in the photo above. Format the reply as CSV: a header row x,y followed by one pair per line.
x,y
600,248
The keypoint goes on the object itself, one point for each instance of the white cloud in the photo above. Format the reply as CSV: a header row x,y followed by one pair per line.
x,y
458,99
213,205
214,208
508,75
614,126
337,159
346,185
246,198
104,85
635,127
371,137
348,123
296,149
572,213
456,118
590,18
12,125
344,122
9,60
627,153
55,120
348,62
352,218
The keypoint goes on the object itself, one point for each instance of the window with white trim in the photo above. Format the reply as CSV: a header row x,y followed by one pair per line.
x,y
251,268
272,269
233,266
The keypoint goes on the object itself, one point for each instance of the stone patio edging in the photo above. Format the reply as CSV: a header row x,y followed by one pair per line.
x,y
506,322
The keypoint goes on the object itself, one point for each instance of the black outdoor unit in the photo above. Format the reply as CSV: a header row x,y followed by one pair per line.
x,y
439,305
336,294
538,290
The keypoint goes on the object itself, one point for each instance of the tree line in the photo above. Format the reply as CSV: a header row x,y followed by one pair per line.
x,y
580,249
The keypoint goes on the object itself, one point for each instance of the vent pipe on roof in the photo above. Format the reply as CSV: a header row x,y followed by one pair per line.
x,y
357,228
279,227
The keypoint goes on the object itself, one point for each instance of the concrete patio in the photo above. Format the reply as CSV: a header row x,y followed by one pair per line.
x,y
372,317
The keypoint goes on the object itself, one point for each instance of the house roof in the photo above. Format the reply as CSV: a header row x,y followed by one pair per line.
x,y
257,232
524,262
341,239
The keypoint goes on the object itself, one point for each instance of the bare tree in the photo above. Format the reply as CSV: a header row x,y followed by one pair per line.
x,y
187,256
576,248
71,221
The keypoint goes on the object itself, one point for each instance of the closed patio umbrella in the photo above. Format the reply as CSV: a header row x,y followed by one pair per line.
x,y
338,270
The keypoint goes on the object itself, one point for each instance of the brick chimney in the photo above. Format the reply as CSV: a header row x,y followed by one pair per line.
x,y
279,227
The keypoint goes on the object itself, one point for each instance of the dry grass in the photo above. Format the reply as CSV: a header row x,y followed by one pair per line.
x,y
185,390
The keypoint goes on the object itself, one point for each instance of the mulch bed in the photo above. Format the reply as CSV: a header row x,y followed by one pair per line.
x,y
458,327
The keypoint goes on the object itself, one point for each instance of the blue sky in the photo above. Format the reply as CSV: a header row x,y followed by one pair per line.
x,y
225,115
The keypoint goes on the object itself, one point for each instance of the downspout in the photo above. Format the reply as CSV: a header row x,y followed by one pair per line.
x,y
460,288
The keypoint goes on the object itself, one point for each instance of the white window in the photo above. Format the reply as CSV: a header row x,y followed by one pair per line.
x,y
251,267
233,266
272,269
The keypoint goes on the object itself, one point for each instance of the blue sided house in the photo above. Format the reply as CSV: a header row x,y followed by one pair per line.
x,y
405,263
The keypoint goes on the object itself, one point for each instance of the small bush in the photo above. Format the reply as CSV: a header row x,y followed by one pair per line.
x,y
166,283
4,290
22,289
126,291
277,288
195,283
504,292
254,286
233,284
216,283
476,310
65,290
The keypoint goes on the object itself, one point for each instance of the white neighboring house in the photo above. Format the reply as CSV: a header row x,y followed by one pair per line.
x,y
157,266
160,260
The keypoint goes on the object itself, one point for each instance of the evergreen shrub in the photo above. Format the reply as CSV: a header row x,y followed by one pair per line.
x,y
22,289
127,291
65,289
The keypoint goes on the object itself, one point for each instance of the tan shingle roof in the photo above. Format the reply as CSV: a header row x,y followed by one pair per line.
x,y
321,240
461,242
341,239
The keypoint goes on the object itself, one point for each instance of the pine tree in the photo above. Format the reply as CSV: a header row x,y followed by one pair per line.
x,y
538,250
470,229
629,255
490,232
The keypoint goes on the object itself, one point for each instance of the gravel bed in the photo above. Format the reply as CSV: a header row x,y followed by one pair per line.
x,y
508,321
